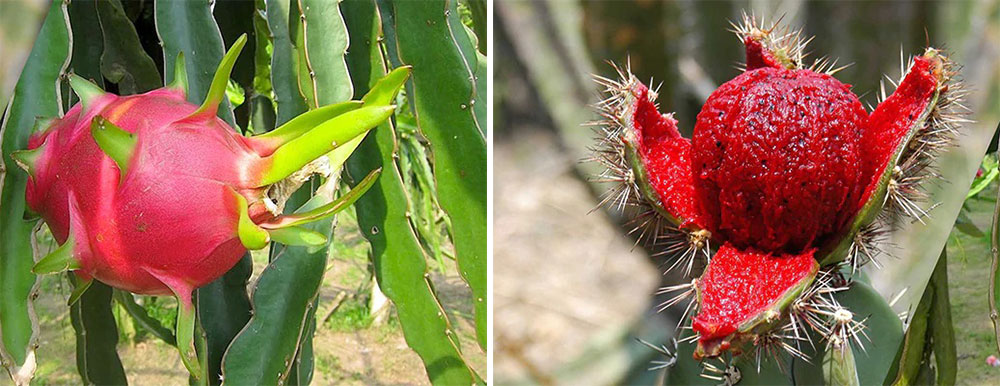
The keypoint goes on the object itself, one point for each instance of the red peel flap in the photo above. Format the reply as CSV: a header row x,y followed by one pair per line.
x,y
742,289
664,156
896,117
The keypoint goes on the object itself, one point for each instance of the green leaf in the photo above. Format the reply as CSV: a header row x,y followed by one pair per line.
x,y
907,362
123,60
188,26
283,64
263,353
96,336
399,261
36,94
983,181
965,225
234,93
432,39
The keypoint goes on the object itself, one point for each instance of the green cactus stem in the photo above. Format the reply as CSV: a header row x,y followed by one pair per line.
x,y
78,291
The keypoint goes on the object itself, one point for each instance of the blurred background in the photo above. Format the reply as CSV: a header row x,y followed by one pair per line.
x,y
572,292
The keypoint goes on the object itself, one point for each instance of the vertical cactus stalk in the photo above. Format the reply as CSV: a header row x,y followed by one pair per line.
x,y
432,39
398,259
35,95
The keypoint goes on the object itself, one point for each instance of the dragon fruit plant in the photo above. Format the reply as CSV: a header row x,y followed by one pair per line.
x,y
157,196
159,181
782,193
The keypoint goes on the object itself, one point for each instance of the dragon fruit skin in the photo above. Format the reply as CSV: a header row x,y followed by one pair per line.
x,y
170,225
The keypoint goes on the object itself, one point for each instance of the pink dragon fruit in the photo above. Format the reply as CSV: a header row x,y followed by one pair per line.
x,y
154,195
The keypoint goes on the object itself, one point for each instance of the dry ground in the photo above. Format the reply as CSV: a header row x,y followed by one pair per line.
x,y
561,276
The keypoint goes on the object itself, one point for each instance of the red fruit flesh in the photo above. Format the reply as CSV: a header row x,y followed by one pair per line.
x,y
171,224
665,156
775,157
893,119
739,285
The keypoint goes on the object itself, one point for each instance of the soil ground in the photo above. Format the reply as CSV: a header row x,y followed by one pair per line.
x,y
561,276
349,348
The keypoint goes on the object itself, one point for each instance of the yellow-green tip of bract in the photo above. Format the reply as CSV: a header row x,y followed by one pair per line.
x,y
298,236
117,143
180,81
85,89
251,235
27,159
217,90
329,135
59,260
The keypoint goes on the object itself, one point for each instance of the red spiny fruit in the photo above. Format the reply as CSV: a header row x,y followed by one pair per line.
x,y
786,171
775,158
